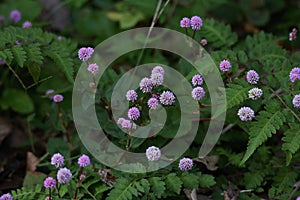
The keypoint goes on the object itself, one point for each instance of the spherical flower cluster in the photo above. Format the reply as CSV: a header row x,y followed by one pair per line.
x,y
131,95
158,69
167,98
146,85
198,93
57,160
203,42
49,92
93,68
298,198
85,53
295,74
196,23
296,101
6,197
27,24
153,103
64,175
133,113
252,77
126,124
58,98
49,182
197,80
255,93
15,15
185,22
84,161
2,62
225,65
157,79
246,114
153,153
185,164
293,34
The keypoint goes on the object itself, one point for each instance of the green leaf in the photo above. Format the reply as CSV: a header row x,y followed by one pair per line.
x,y
19,54
33,178
122,190
253,179
173,183
35,71
18,100
206,180
157,186
237,93
268,122
291,141
56,145
190,181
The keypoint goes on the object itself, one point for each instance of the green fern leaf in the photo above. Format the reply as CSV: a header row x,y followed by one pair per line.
x,y
64,62
173,183
157,186
19,54
206,180
218,34
237,93
34,53
189,180
292,139
268,122
122,190
253,179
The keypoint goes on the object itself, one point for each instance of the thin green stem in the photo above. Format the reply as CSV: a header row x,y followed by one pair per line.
x,y
78,183
17,76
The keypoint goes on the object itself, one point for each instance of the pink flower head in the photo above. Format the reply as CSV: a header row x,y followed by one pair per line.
x,y
167,98
133,113
157,79
185,164
126,124
93,68
64,175
252,77
295,74
49,92
293,34
197,80
85,53
146,85
185,22
158,69
131,95
198,93
246,114
296,101
58,98
27,24
153,153
15,15
84,161
203,42
225,65
6,197
57,160
153,103
196,23
49,182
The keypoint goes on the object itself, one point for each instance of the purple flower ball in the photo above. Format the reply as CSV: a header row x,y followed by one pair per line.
x,y
146,85
2,62
15,15
58,98
153,153
27,24
185,164
225,65
64,175
153,103
198,93
126,124
157,79
49,182
197,80
85,53
167,98
120,120
293,34
6,197
131,95
84,161
93,68
298,198
296,101
57,160
185,22
246,114
255,93
18,42
196,23
133,113
203,42
158,69
252,77
295,74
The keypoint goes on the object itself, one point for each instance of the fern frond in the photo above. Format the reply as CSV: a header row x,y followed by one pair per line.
x,y
268,122
29,193
236,93
157,186
34,53
173,183
122,190
218,34
19,54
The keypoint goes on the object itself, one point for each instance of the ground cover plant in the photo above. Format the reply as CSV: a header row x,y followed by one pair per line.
x,y
254,46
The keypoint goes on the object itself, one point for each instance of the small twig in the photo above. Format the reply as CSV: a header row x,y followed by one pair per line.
x,y
42,80
17,76
296,185
227,128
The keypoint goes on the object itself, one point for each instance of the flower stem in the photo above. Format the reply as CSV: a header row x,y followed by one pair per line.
x,y
78,183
